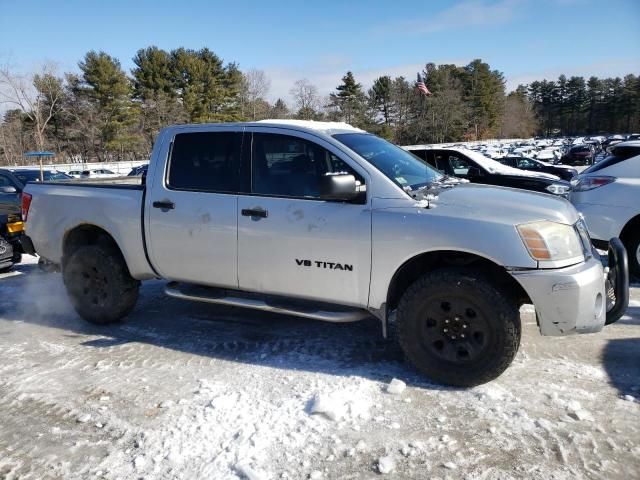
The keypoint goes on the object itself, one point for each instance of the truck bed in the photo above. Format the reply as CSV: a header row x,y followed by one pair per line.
x,y
112,204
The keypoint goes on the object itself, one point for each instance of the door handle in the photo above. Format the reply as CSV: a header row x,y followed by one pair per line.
x,y
164,205
255,212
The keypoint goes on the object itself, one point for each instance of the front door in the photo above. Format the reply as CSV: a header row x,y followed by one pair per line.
x,y
192,209
290,241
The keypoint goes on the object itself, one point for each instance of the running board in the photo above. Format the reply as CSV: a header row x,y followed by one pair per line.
x,y
236,298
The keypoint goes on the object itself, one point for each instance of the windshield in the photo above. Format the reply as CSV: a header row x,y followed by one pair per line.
x,y
403,168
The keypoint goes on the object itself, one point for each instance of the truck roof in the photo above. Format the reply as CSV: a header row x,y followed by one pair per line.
x,y
328,128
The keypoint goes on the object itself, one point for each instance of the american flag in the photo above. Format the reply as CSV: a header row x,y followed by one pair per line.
x,y
421,87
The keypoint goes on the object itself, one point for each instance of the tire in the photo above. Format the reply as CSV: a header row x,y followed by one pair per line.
x,y
632,244
99,284
457,328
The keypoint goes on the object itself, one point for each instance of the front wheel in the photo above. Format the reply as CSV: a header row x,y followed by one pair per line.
x,y
632,244
99,284
457,328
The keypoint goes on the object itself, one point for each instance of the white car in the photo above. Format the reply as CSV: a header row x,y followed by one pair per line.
x,y
75,173
98,173
548,155
608,196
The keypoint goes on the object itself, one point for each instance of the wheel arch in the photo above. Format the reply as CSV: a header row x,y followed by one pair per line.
x,y
86,234
631,226
419,264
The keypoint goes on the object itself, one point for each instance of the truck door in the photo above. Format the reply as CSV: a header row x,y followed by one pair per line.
x,y
290,241
191,211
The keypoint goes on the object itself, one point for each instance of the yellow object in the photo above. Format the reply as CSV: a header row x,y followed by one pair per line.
x,y
15,227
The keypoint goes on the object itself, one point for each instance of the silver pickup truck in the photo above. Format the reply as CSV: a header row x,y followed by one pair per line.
x,y
327,222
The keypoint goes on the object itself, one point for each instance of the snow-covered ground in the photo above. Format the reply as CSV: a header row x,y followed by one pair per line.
x,y
190,391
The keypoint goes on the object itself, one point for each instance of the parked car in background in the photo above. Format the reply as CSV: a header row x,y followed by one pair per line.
x,y
98,173
582,154
535,165
548,155
33,175
475,167
74,173
11,225
608,196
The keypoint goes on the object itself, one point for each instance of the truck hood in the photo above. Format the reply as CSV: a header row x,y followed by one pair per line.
x,y
504,205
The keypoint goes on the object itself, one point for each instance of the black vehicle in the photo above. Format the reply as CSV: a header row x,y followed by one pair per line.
x,y
477,168
139,171
532,165
11,226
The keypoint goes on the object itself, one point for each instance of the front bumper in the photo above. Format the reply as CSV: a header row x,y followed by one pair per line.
x,y
568,300
573,299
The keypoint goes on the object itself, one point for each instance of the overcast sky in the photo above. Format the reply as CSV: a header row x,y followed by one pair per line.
x,y
321,40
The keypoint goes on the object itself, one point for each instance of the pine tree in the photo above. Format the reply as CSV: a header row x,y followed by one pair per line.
x,y
484,91
380,98
280,109
350,100
209,91
155,87
107,86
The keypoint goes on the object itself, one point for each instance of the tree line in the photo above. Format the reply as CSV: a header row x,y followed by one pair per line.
x,y
102,113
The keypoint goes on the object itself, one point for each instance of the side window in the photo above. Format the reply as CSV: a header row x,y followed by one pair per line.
x,y
420,154
5,182
205,161
438,161
525,163
290,166
459,165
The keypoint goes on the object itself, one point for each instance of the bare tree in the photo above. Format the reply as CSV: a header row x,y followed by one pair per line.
x,y
255,86
305,96
38,96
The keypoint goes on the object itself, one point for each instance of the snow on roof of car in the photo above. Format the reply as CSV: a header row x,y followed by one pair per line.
x,y
324,127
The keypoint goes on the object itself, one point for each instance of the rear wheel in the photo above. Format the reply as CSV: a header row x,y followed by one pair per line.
x,y
99,284
458,328
632,244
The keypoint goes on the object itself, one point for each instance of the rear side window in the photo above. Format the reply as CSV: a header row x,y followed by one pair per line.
x,y
612,160
205,161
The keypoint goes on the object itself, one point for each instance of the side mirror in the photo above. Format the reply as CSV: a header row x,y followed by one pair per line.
x,y
340,187
474,172
8,189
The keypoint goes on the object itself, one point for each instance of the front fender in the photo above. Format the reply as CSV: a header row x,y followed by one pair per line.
x,y
400,234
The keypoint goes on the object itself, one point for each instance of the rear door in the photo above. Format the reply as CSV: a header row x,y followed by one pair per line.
x,y
192,208
292,242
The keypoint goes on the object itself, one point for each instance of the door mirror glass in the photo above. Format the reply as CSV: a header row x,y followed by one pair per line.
x,y
341,187
8,189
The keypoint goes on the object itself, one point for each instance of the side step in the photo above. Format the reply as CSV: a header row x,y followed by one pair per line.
x,y
235,298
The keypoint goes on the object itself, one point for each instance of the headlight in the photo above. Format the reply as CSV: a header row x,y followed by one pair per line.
x,y
558,189
585,239
550,241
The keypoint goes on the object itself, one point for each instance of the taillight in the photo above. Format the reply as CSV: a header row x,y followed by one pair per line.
x,y
26,203
589,183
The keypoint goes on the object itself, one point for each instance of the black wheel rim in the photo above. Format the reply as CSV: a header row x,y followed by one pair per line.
x,y
454,329
90,285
